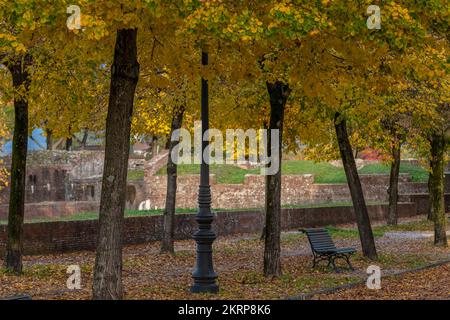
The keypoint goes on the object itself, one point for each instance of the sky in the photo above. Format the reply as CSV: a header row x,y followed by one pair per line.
x,y
37,135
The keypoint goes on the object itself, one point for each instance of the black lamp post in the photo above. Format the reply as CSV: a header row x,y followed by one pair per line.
x,y
204,274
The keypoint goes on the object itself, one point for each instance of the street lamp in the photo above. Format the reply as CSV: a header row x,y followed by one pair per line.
x,y
204,275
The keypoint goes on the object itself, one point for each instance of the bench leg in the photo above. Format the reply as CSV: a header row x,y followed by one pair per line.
x,y
347,258
331,262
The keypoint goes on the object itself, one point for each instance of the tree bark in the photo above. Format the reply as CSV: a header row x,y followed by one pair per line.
x,y
21,83
49,139
167,243
436,185
393,183
279,93
107,284
69,142
84,140
154,146
430,191
359,203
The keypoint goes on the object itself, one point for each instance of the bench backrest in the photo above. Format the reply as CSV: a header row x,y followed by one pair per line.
x,y
320,240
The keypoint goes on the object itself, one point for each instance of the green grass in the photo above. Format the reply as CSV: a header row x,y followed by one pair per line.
x,y
329,204
323,172
224,173
94,215
135,175
418,174
349,233
422,225
379,231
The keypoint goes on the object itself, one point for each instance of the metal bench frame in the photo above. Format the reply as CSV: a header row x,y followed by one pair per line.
x,y
324,249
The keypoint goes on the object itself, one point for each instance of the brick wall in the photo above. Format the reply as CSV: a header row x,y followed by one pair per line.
x,y
56,237
53,209
422,201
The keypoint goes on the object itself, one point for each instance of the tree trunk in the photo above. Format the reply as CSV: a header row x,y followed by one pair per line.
x,y
14,246
279,93
359,204
430,191
154,146
49,139
69,142
171,193
393,183
84,140
107,283
437,189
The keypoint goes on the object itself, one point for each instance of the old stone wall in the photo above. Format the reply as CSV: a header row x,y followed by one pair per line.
x,y
61,176
296,189
88,193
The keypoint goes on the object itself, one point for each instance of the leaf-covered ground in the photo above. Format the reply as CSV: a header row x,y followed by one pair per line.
x,y
429,284
238,261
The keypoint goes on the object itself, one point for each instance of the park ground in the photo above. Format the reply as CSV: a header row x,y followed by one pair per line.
x,y
238,261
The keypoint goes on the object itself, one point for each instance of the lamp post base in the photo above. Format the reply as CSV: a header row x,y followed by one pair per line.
x,y
204,288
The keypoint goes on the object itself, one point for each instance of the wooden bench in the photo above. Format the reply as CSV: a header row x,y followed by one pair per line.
x,y
323,248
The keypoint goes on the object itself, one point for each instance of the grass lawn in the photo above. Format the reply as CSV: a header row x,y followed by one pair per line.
x,y
380,230
94,215
323,172
224,173
135,175
418,174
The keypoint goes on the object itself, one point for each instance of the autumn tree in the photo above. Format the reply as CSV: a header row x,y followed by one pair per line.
x,y
429,94
23,29
393,119
354,77
4,135
118,22
76,88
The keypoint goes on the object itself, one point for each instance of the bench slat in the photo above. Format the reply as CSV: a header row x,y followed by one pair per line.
x,y
322,244
324,239
325,246
321,238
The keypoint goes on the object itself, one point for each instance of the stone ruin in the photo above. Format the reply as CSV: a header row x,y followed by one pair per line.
x,y
62,182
